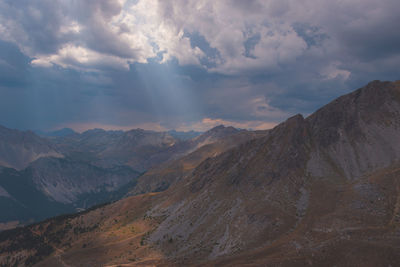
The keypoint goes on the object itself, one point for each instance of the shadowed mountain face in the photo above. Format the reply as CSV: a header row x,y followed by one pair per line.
x,y
319,191
52,186
66,180
18,149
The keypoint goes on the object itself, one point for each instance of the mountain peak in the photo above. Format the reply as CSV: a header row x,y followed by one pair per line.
x,y
93,131
218,127
222,128
298,118
57,133
216,132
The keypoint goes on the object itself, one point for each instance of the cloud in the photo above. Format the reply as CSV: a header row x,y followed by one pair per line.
x,y
81,58
55,32
174,63
333,71
243,37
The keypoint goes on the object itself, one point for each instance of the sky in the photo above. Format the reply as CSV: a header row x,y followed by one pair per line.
x,y
187,65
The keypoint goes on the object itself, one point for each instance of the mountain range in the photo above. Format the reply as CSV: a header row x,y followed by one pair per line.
x,y
322,190
47,175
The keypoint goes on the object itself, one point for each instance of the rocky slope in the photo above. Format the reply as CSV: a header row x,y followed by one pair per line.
x,y
320,191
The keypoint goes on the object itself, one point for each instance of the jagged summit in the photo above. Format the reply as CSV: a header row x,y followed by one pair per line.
x,y
375,103
214,133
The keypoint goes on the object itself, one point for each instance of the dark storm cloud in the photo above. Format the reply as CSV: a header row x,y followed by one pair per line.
x,y
34,24
13,66
180,63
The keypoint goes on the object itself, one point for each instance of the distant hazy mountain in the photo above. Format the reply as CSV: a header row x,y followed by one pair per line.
x,y
321,191
57,133
18,149
112,148
182,148
139,149
184,135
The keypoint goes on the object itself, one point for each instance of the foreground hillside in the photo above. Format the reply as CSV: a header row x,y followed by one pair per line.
x,y
319,191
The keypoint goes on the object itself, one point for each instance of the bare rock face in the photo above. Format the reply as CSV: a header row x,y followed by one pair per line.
x,y
357,133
